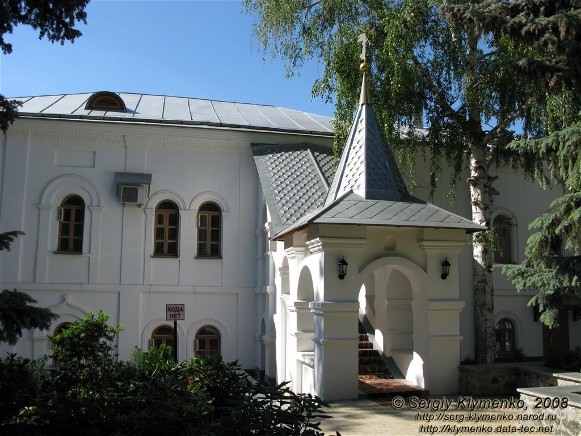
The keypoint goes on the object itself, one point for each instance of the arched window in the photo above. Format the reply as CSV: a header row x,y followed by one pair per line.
x,y
106,101
502,225
71,217
167,229
59,328
505,339
162,335
207,343
209,230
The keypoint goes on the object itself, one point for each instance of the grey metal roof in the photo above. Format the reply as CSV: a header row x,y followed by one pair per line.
x,y
179,110
356,210
367,165
294,179
368,188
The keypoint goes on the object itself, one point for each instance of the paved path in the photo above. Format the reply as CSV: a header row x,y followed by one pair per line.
x,y
366,417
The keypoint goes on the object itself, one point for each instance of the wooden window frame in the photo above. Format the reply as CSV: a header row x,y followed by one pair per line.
x,y
505,336
165,228
207,351
208,242
158,339
67,238
504,246
106,101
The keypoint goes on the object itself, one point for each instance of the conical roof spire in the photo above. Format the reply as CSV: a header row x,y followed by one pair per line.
x,y
367,166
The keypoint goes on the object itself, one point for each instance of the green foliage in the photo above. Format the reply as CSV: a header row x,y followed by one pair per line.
x,y
273,410
475,70
82,394
554,276
461,63
159,359
569,360
19,386
8,238
89,392
17,314
54,20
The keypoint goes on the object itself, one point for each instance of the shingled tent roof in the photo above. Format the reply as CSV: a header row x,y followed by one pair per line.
x,y
367,188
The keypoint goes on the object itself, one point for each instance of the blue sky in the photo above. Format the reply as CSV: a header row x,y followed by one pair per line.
x,y
188,48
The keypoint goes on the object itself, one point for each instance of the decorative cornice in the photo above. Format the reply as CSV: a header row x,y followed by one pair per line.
x,y
327,308
20,134
153,141
293,252
315,246
334,341
319,245
298,306
432,247
75,138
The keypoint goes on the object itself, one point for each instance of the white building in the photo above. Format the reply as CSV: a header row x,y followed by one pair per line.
x,y
130,202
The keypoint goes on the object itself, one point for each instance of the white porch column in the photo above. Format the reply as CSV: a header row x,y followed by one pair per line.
x,y
335,310
336,358
297,341
443,312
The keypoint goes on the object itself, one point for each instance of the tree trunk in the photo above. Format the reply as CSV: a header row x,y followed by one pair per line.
x,y
481,199
480,182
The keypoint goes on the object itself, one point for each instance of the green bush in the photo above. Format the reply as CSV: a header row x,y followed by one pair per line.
x,y
19,386
91,393
157,398
569,360
82,393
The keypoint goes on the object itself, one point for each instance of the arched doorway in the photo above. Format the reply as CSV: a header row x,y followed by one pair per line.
x,y
395,303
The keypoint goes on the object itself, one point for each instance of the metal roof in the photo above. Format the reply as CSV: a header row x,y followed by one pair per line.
x,y
294,180
367,165
179,110
356,210
367,188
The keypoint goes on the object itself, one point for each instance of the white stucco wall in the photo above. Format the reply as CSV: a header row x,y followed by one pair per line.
x,y
43,161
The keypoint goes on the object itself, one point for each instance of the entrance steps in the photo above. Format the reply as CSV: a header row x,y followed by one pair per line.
x,y
378,375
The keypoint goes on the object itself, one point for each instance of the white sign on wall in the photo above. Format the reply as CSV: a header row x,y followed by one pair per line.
x,y
175,312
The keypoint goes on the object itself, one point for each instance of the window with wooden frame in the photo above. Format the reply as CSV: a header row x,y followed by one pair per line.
x,y
502,226
162,335
167,229
505,339
210,230
106,101
58,330
71,218
207,342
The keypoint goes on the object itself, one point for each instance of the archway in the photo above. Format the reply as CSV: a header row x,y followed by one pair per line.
x,y
305,323
394,300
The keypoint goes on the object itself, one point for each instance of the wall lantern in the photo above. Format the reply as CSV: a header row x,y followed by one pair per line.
x,y
342,268
445,269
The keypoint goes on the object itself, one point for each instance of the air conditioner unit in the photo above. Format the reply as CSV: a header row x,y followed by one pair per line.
x,y
132,194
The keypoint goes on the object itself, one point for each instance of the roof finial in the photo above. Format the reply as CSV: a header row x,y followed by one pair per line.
x,y
364,67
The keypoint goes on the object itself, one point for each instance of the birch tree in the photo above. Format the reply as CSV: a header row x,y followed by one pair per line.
x,y
468,66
